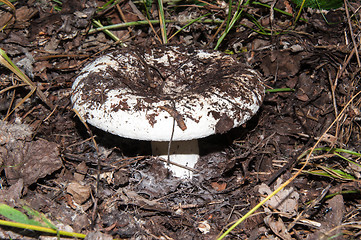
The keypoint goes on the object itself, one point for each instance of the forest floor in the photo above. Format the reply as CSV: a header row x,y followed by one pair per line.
x,y
49,162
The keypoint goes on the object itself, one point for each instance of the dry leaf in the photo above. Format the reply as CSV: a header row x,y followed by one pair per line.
x,y
285,200
218,186
278,227
80,192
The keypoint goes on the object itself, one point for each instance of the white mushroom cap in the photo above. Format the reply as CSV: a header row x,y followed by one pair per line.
x,y
138,92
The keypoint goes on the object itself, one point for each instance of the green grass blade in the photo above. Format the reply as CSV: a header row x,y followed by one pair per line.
x,y
127,24
11,6
320,4
235,18
262,30
275,90
230,3
342,193
162,22
108,5
348,160
340,150
331,173
16,215
41,218
41,229
188,24
148,6
143,22
6,62
300,11
106,31
277,10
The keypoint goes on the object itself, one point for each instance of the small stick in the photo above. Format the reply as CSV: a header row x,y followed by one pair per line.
x,y
177,117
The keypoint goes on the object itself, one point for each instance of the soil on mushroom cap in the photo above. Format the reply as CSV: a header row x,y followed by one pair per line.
x,y
168,73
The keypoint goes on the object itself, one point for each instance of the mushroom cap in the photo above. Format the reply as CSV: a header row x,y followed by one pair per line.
x,y
140,93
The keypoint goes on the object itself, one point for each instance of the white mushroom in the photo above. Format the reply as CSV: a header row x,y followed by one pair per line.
x,y
167,92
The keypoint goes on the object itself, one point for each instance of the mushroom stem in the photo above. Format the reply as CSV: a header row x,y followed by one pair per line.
x,y
185,153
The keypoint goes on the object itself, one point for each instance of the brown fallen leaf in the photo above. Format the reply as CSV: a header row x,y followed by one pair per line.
x,y
26,159
218,186
278,227
285,201
281,63
80,192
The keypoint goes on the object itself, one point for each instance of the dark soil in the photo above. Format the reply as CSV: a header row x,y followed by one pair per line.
x,y
86,180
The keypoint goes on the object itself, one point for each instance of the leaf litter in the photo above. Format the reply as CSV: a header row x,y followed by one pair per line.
x,y
49,161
